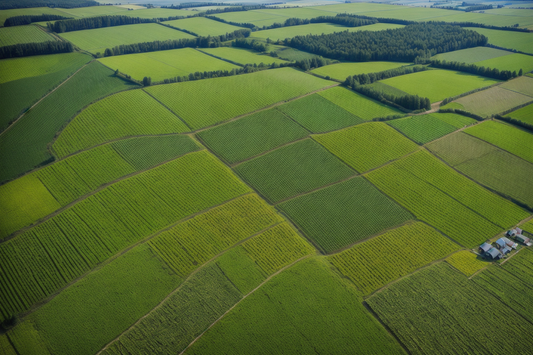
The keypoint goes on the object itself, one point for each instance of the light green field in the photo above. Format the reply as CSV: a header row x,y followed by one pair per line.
x,y
438,84
472,55
204,103
129,113
91,11
5,14
203,26
288,53
522,85
513,62
341,71
488,102
258,18
18,68
508,39
23,34
524,114
467,262
165,64
98,39
158,13
241,56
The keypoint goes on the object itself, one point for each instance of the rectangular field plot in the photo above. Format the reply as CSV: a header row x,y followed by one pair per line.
x,y
252,135
366,146
438,84
357,104
292,31
23,34
385,258
294,169
423,128
507,137
314,310
467,262
487,165
203,26
489,102
513,62
98,39
472,55
207,102
318,114
341,71
7,13
345,213
241,56
157,12
125,114
522,85
524,114
521,41
166,64
259,19
440,301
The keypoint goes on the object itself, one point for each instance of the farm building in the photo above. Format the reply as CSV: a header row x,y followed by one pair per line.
x,y
522,239
493,254
483,248
509,243
506,250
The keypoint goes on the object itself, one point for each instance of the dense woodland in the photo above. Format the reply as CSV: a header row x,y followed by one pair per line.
x,y
29,49
28,19
67,4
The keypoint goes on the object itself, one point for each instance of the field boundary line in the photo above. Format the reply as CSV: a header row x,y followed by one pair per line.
x,y
194,272
234,165
44,97
165,106
243,298
293,120
220,58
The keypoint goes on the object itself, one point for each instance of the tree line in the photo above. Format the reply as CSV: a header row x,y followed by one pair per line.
x,y
67,4
402,44
348,21
28,19
29,49
95,22
478,7
474,69
363,79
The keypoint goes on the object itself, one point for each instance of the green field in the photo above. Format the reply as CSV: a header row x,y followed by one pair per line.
x,y
288,53
302,30
93,11
5,14
203,26
441,300
487,165
341,71
207,102
165,64
126,114
39,126
506,39
422,128
98,39
323,217
513,62
438,84
251,135
524,114
472,55
467,262
241,56
157,13
318,114
366,146
357,104
313,311
23,34
377,262
507,137
292,170
522,85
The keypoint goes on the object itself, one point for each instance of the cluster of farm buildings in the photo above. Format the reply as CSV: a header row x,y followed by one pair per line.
x,y
504,245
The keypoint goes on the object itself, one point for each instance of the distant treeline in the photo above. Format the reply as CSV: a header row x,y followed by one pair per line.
x,y
96,22
67,4
29,49
401,44
478,7
185,5
474,69
28,19
514,121
348,21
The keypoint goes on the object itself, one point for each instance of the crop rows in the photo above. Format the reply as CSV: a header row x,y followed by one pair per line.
x,y
43,259
422,129
292,170
318,114
241,269
345,213
467,262
489,102
23,34
521,85
460,148
524,114
383,259
251,135
521,266
241,55
193,242
203,26
125,114
366,146
438,311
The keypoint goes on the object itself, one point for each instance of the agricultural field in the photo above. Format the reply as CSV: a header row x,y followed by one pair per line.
x,y
241,56
165,64
472,55
366,146
288,53
98,39
341,71
513,62
5,14
522,85
438,84
302,30
203,26
204,103
524,114
375,263
519,41
23,34
467,262
322,215
318,114
93,11
293,170
251,135
487,164
507,137
126,114
424,128
439,299
157,13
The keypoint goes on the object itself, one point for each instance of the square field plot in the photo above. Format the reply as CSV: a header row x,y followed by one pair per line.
x,y
438,84
345,213
294,169
203,26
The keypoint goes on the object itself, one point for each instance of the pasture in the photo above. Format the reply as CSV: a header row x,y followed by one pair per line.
x,y
438,84
524,114
157,12
522,85
513,62
165,64
98,39
472,55
341,71
241,56
506,39
203,26
23,34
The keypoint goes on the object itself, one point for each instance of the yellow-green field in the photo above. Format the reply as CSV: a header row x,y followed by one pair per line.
x,y
23,34
203,26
